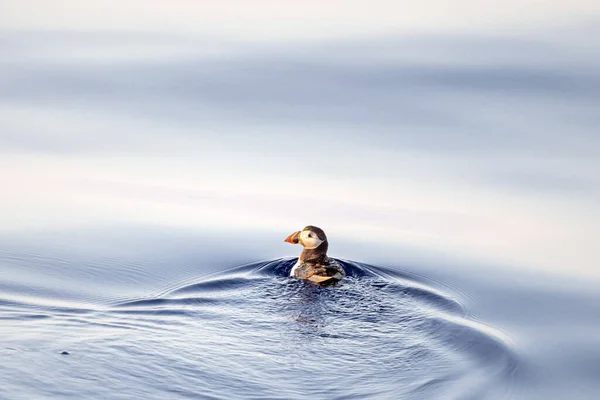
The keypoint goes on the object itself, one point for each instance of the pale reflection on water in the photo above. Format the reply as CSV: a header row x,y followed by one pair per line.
x,y
487,152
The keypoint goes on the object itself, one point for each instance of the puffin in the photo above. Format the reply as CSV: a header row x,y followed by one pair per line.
x,y
313,264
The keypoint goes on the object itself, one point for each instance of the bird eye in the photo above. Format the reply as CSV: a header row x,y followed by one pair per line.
x,y
310,235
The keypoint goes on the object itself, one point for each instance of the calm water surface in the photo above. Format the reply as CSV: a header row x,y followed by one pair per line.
x,y
148,179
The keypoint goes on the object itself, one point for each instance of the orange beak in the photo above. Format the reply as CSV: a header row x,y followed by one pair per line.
x,y
293,238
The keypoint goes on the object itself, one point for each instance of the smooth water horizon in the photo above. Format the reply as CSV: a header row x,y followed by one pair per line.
x,y
153,159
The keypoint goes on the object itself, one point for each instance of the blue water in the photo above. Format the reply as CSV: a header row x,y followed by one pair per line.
x,y
148,179
161,316
246,332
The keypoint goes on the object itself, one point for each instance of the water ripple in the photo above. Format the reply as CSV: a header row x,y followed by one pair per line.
x,y
252,332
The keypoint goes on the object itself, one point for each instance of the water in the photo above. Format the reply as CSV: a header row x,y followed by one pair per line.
x,y
248,332
168,318
148,177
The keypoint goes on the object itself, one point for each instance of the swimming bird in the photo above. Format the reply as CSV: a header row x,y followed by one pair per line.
x,y
313,264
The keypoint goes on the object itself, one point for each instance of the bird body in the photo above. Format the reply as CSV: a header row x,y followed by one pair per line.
x,y
313,264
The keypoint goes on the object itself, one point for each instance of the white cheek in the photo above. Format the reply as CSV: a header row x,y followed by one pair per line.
x,y
310,242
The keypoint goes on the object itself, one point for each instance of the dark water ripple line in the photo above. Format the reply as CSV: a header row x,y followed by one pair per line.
x,y
50,305
159,302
